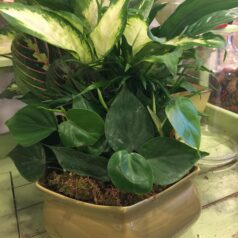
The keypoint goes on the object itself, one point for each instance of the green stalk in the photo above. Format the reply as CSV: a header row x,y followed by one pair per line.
x,y
101,99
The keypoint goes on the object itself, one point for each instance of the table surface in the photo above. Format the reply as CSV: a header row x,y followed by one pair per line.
x,y
21,204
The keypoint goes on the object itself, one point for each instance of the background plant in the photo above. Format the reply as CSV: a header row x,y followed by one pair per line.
x,y
99,82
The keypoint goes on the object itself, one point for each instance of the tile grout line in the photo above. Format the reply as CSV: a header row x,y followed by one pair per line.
x,y
32,205
15,206
233,195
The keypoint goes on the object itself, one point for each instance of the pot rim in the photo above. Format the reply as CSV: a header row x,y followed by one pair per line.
x,y
194,171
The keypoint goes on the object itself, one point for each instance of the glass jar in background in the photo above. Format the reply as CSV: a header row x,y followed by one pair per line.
x,y
224,81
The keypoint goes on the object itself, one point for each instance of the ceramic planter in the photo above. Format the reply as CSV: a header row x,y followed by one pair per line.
x,y
160,216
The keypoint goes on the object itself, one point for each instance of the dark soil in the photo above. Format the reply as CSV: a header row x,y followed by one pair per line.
x,y
93,191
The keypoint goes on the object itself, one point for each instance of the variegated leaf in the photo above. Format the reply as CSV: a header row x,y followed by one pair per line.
x,y
110,27
47,27
6,37
136,33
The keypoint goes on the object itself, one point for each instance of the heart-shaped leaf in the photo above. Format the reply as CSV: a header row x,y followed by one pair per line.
x,y
30,161
185,120
83,127
130,172
169,159
30,125
128,124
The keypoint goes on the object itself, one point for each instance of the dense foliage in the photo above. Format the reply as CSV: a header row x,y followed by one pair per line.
x,y
99,84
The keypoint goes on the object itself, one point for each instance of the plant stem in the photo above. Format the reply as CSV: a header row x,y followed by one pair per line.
x,y
101,99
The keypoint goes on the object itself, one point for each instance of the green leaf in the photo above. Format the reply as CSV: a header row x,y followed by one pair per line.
x,y
55,4
170,60
6,38
136,33
209,40
81,163
48,27
189,12
31,125
83,127
170,160
185,120
128,124
143,7
110,27
29,161
88,9
210,22
130,172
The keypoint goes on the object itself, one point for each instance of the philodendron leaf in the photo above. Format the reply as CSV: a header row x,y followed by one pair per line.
x,y
136,33
130,172
170,160
128,124
48,27
191,11
81,163
6,37
30,161
88,9
170,60
185,120
143,7
83,127
31,125
209,40
110,27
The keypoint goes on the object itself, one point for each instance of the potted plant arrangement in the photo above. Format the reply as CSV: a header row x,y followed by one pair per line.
x,y
111,147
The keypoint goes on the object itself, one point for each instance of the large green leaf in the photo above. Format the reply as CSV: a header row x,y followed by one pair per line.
x,y
185,120
110,27
189,12
83,127
30,161
142,7
31,125
48,27
55,4
130,172
169,159
170,60
136,33
89,10
6,38
81,163
128,124
209,22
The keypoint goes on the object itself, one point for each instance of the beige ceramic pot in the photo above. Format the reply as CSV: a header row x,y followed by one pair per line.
x,y
161,216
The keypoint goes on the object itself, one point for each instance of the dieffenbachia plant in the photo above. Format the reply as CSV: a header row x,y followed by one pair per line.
x,y
98,83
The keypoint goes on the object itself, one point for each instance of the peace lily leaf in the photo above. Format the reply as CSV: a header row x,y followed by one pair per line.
x,y
143,7
185,120
110,27
88,9
6,37
47,27
83,127
30,161
82,164
130,172
136,33
170,160
128,124
189,12
209,40
170,60
211,21
31,125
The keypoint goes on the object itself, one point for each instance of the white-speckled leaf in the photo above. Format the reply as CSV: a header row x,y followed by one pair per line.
x,y
48,27
110,27
136,33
